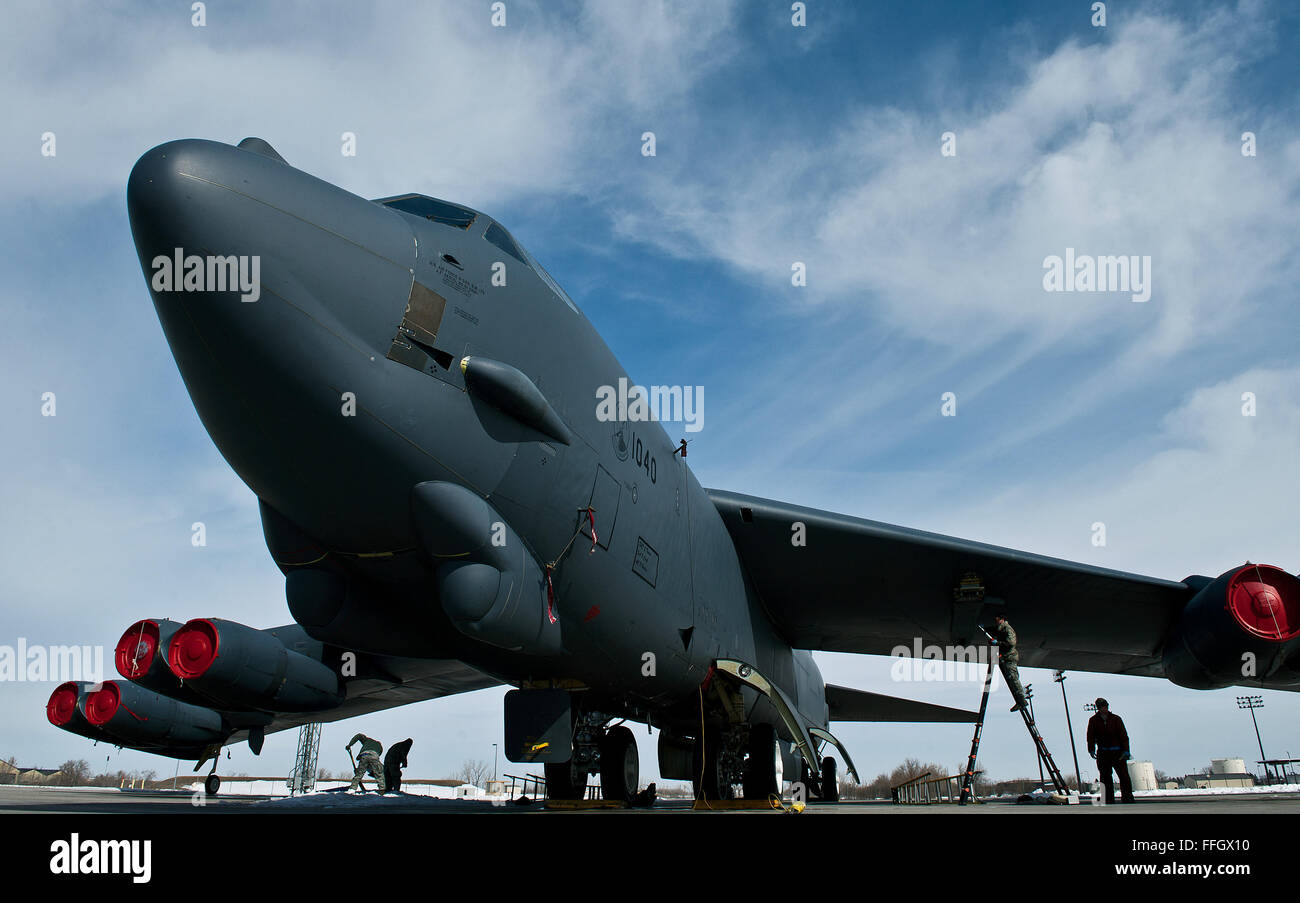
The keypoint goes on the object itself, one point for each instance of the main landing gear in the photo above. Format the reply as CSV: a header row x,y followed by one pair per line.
x,y
610,752
748,756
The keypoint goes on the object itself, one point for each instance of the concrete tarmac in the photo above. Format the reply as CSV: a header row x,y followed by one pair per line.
x,y
78,801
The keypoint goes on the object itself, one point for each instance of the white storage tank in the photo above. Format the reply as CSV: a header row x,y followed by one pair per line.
x,y
1227,766
1142,774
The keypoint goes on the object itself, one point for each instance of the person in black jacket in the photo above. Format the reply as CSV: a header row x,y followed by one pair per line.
x,y
394,762
1108,744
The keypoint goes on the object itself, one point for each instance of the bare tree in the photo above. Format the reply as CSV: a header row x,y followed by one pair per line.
x,y
75,772
878,789
474,771
915,768
850,790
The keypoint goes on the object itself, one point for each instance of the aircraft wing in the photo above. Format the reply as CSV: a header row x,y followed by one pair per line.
x,y
868,587
406,680
847,704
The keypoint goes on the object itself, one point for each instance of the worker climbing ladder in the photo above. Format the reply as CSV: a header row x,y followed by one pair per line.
x,y
968,778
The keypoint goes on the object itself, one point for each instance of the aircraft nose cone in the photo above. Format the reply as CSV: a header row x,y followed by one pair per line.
x,y
159,195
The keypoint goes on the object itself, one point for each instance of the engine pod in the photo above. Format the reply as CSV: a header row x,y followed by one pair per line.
x,y
1241,628
64,710
141,656
143,719
239,667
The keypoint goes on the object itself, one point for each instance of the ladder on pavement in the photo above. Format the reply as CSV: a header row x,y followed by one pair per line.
x,y
968,777
1043,753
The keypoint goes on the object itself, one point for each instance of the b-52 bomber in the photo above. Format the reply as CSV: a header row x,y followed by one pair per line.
x,y
414,402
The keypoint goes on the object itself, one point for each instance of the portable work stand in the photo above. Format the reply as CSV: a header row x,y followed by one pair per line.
x,y
968,778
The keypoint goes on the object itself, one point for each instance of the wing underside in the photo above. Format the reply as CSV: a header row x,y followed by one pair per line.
x,y
406,681
868,587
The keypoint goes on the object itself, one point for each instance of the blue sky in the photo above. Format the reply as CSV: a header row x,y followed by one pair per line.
x,y
775,144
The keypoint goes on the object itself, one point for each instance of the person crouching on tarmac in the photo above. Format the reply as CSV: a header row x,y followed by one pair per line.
x,y
1009,660
394,762
1106,734
368,761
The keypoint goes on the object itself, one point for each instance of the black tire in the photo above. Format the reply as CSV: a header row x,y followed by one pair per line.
x,y
620,765
707,778
563,782
811,787
830,785
212,785
764,769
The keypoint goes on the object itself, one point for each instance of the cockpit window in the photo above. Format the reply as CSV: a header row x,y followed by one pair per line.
x,y
435,210
552,284
501,238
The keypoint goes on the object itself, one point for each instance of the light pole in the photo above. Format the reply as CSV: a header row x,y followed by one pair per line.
x,y
494,763
1252,703
1059,677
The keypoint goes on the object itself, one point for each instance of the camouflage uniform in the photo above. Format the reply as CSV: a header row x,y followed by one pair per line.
x,y
368,762
1009,661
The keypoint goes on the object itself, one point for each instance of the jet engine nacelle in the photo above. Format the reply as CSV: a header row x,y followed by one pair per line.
x,y
1241,627
66,710
132,716
141,656
239,667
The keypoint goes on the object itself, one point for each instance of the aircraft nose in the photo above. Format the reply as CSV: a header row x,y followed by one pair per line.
x,y
159,196
342,260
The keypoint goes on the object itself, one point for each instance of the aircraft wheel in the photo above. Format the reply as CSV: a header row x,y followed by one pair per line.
x,y
811,788
563,781
716,784
212,785
620,765
764,768
830,786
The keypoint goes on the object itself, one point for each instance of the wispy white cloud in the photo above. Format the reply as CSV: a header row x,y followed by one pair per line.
x,y
1128,146
433,93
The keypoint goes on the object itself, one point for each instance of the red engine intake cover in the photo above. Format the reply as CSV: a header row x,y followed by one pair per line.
x,y
102,705
136,649
193,649
1265,601
63,702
